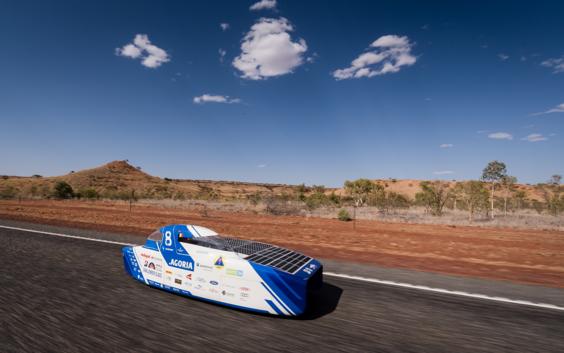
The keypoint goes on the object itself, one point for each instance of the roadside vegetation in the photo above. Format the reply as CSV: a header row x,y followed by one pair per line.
x,y
495,199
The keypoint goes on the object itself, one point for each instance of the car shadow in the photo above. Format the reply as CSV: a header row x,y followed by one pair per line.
x,y
322,302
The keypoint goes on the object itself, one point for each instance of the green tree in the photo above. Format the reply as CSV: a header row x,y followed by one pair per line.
x,y
474,196
433,195
63,190
552,195
494,172
508,187
519,197
359,190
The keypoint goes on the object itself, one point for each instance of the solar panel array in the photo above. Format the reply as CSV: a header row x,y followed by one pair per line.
x,y
246,247
260,253
280,258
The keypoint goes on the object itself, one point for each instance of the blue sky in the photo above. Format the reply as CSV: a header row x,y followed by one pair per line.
x,y
290,92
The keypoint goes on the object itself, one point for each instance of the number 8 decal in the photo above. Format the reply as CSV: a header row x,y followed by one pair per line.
x,y
168,238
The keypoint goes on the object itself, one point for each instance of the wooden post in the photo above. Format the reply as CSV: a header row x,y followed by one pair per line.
x,y
354,217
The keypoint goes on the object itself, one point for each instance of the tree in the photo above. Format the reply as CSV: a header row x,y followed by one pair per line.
x,y
551,193
63,190
508,186
493,173
433,196
473,195
359,190
520,197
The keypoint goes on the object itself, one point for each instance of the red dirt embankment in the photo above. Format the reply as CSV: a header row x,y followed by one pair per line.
x,y
528,256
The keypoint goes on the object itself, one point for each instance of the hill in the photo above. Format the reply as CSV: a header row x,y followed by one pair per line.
x,y
117,179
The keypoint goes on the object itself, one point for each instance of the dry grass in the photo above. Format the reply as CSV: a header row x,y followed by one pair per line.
x,y
524,219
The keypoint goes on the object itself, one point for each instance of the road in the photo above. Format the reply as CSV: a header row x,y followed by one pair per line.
x,y
70,295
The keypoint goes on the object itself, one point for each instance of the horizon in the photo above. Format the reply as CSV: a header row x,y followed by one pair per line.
x,y
140,168
285,92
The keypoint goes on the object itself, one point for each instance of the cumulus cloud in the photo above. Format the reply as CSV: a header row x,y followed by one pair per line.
x,y
556,64
558,109
151,56
222,54
534,138
388,54
224,26
502,56
500,136
267,50
263,5
443,172
446,145
210,98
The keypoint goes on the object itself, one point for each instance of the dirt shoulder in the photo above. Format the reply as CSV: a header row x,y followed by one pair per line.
x,y
526,256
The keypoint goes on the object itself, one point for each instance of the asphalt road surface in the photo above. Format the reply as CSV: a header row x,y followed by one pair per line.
x,y
70,295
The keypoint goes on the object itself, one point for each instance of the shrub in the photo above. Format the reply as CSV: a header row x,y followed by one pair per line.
x,y
344,215
8,192
255,198
63,190
316,200
89,193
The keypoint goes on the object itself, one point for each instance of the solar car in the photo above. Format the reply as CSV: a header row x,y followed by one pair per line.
x,y
198,262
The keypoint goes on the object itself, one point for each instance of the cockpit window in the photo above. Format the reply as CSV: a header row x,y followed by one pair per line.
x,y
156,236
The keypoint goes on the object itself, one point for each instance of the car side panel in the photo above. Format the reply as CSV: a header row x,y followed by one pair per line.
x,y
218,276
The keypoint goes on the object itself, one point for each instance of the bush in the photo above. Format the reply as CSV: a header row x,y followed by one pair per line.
x,y
63,190
280,207
8,192
344,215
89,193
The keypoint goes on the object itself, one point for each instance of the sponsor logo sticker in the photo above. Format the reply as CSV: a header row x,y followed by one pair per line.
x,y
214,283
227,294
188,265
177,281
189,276
204,267
234,272
219,263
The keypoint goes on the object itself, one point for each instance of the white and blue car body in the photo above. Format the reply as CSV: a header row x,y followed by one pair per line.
x,y
197,262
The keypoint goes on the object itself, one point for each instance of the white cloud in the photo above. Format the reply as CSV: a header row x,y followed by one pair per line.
x,y
443,172
558,109
502,56
209,98
224,26
267,50
263,5
390,53
446,145
534,138
151,56
501,136
556,64
262,165
129,50
222,54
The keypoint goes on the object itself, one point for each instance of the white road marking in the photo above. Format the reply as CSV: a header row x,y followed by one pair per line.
x,y
445,291
339,275
68,236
